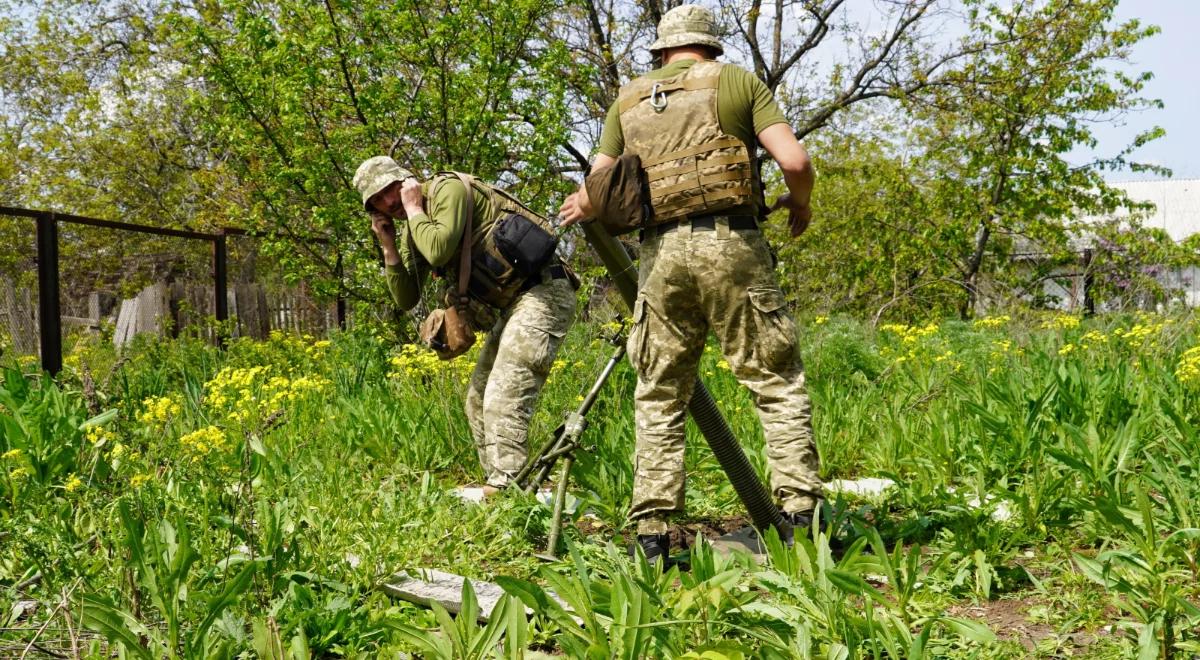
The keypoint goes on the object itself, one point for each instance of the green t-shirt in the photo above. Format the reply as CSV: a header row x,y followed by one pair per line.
x,y
745,106
434,238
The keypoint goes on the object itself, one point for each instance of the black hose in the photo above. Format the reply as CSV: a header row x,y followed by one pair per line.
x,y
733,460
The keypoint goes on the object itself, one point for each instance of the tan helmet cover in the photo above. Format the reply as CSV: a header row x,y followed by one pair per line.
x,y
687,25
375,174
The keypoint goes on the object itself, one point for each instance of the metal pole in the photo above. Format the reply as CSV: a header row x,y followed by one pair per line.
x,y
49,322
221,283
560,499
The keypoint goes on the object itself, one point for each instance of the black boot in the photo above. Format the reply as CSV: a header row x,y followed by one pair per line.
x,y
802,523
657,547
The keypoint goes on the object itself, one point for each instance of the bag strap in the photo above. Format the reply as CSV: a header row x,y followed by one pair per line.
x,y
464,264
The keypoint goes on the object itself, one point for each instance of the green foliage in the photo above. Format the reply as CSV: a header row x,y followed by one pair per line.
x,y
300,93
1041,459
160,561
978,196
42,433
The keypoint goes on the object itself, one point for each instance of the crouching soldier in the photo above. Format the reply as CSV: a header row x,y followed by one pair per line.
x,y
454,220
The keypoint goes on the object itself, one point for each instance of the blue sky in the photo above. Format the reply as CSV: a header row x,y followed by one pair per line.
x,y
1173,56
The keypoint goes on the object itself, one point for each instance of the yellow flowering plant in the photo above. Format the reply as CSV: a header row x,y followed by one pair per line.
x,y
251,394
1187,372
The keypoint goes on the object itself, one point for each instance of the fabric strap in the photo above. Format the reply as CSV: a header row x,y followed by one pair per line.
x,y
464,263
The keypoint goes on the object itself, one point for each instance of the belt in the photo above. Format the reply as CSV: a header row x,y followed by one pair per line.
x,y
702,223
555,272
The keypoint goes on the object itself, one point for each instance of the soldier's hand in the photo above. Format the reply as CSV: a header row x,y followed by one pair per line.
x,y
576,208
411,197
799,218
384,228
799,215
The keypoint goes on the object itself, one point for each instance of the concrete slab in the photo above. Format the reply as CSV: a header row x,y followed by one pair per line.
x,y
745,540
424,586
471,495
870,487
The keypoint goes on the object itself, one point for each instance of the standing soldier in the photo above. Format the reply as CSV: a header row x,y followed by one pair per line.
x,y
420,226
695,124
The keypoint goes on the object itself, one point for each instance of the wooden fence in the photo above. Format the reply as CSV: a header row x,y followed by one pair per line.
x,y
165,309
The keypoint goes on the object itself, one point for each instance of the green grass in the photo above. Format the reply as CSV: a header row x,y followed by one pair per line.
x,y
180,501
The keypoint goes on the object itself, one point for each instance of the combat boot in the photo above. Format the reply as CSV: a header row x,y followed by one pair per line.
x,y
657,548
802,523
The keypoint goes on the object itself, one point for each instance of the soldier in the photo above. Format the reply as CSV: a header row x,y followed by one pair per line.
x,y
420,227
695,124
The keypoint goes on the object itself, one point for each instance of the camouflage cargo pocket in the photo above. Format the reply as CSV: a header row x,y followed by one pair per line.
x,y
776,340
636,345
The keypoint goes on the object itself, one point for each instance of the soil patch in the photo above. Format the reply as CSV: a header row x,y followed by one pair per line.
x,y
1008,618
684,535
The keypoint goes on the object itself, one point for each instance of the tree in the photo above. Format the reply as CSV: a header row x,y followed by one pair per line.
x,y
298,93
92,123
1001,130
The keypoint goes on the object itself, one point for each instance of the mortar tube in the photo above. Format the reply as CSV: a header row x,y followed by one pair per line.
x,y
703,408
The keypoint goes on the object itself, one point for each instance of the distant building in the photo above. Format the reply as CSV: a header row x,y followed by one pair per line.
x,y
1176,211
1176,204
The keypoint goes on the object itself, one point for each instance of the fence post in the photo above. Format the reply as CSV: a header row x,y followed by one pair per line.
x,y
341,296
221,284
1089,303
49,322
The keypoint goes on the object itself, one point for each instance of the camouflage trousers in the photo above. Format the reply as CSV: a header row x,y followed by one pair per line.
x,y
691,282
512,368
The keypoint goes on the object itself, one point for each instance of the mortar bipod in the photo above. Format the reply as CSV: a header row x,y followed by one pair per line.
x,y
565,441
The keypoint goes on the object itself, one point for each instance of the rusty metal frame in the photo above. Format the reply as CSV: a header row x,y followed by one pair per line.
x,y
49,320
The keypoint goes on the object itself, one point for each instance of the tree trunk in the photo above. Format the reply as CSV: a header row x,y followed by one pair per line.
x,y
971,276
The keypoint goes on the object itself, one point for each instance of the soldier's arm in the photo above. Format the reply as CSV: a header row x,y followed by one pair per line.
x,y
751,104
798,173
402,272
437,233
578,206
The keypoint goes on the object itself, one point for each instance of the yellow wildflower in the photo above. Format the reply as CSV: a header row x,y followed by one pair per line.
x,y
158,410
416,362
1188,371
201,442
1141,332
1092,338
992,322
73,484
1066,349
1061,322
138,480
910,334
98,435
11,453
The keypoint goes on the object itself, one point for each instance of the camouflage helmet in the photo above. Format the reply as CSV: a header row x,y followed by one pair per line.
x,y
687,25
375,174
